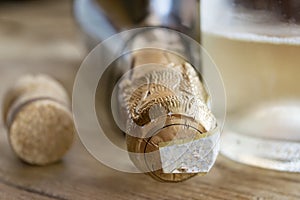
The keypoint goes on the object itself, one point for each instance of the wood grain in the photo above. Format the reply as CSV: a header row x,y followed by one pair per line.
x,y
40,36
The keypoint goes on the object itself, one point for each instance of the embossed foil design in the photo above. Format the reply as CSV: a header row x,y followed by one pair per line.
x,y
172,92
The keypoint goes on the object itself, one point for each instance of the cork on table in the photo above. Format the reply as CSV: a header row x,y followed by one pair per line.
x,y
41,36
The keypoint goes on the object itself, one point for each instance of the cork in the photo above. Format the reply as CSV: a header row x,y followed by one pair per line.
x,y
38,118
152,145
139,98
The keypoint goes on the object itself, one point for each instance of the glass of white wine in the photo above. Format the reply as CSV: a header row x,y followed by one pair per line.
x,y
256,45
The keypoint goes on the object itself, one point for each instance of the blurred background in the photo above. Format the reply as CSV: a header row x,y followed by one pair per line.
x,y
38,35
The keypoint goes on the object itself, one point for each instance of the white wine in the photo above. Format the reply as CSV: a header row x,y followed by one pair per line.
x,y
261,74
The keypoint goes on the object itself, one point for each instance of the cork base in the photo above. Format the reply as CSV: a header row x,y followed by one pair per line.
x,y
177,128
38,118
41,132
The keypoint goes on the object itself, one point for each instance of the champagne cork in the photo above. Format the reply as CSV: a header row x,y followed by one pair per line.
x,y
38,118
173,95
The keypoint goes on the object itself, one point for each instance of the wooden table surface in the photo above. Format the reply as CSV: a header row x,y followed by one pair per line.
x,y
41,36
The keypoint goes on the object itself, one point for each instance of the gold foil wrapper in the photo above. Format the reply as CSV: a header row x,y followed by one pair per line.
x,y
165,93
